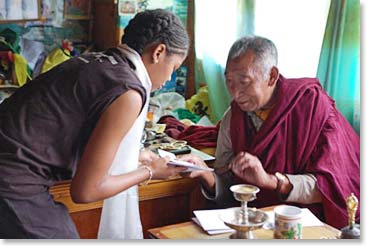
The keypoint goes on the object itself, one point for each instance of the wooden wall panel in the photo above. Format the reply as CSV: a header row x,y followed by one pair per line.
x,y
190,60
160,203
105,31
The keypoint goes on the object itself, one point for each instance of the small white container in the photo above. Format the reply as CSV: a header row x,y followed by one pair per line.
x,y
288,222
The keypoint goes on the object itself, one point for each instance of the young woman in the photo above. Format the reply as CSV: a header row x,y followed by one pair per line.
x,y
83,121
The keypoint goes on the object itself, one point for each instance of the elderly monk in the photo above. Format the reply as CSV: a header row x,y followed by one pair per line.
x,y
284,136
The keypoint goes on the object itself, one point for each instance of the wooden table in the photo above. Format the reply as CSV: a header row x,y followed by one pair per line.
x,y
190,230
158,204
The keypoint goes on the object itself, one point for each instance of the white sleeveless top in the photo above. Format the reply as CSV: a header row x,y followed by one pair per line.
x,y
120,218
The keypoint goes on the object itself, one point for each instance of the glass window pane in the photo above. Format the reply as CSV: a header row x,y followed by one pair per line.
x,y
297,29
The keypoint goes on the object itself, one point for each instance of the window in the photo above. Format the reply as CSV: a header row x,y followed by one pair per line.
x,y
297,29
215,28
295,26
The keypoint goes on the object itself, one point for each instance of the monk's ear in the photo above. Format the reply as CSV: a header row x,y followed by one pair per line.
x,y
274,76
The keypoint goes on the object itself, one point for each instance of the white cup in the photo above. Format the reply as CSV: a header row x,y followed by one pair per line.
x,y
288,222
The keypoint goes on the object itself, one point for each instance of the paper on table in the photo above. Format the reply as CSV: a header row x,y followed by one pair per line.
x,y
190,167
209,219
212,232
308,218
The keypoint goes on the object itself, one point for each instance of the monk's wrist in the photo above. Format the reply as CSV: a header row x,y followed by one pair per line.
x,y
207,180
272,182
283,185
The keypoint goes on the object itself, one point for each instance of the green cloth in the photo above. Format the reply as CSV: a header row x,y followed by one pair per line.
x,y
11,33
187,114
11,42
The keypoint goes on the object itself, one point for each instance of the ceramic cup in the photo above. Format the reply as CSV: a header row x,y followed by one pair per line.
x,y
288,222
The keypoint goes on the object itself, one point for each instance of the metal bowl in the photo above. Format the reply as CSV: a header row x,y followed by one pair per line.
x,y
244,192
232,217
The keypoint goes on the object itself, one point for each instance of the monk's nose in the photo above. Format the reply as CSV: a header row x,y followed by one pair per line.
x,y
238,93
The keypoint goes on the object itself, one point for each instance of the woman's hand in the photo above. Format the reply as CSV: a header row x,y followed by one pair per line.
x,y
161,170
249,168
146,156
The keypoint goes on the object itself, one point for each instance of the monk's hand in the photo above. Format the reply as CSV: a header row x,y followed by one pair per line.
x,y
196,160
249,168
206,178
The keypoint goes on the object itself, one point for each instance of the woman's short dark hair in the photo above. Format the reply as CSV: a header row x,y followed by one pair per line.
x,y
156,26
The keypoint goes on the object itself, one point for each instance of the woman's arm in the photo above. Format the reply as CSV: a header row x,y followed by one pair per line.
x,y
92,181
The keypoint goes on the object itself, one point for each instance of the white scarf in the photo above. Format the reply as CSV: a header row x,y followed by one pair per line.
x,y
120,218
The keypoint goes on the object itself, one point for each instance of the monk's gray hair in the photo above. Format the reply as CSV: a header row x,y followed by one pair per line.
x,y
265,51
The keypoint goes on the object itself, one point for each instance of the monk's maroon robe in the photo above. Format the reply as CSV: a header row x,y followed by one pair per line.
x,y
304,133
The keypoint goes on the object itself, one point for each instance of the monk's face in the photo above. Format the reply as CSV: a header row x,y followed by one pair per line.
x,y
246,83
